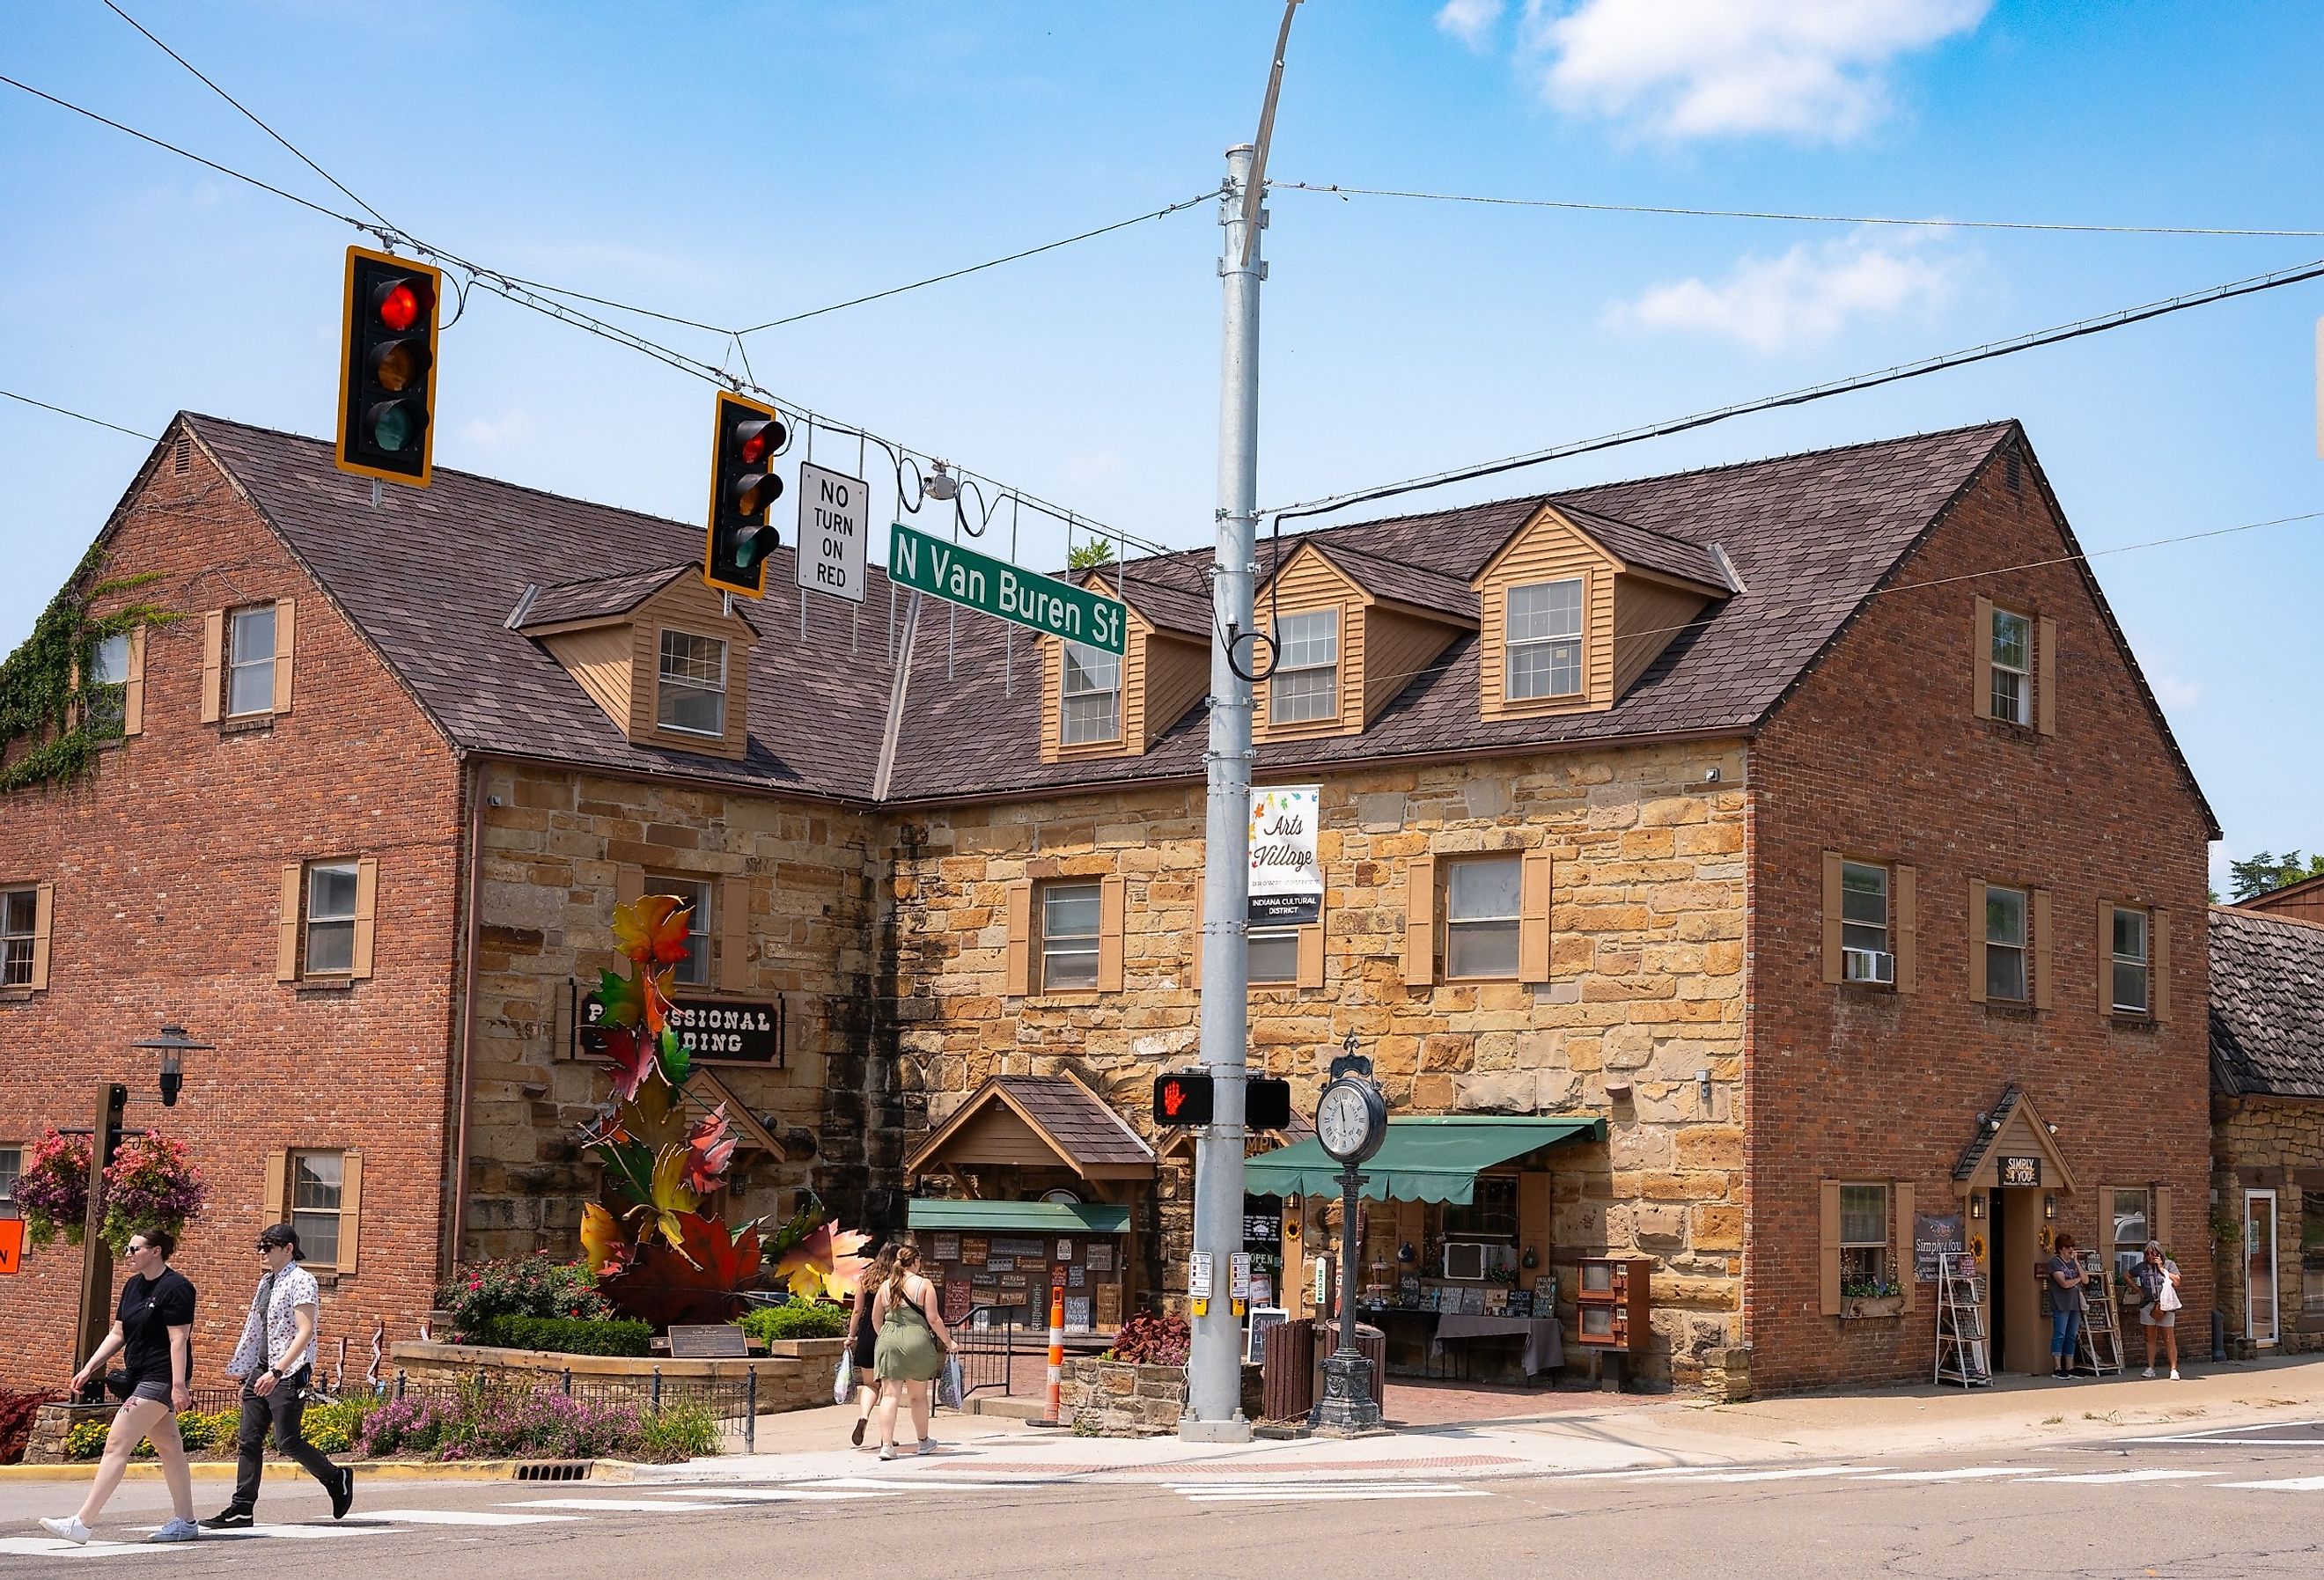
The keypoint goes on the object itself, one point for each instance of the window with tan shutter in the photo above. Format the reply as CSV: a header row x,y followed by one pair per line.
x,y
1070,917
105,697
1866,1264
2013,668
2132,979
695,970
316,1181
1274,956
330,919
1484,910
2008,951
19,918
250,661
326,929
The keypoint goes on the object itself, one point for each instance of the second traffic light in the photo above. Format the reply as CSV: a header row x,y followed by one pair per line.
x,y
744,488
1187,1098
387,368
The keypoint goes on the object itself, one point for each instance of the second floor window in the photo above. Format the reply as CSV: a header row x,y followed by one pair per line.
x,y
693,971
1069,937
107,696
1090,705
1305,684
330,919
1544,640
250,665
2013,666
2133,963
2004,944
316,1180
692,691
1274,957
1482,901
20,910
1864,933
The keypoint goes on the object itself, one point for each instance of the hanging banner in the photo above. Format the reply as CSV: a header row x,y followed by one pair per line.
x,y
1286,882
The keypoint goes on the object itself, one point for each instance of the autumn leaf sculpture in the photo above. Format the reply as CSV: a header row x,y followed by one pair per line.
x,y
824,1263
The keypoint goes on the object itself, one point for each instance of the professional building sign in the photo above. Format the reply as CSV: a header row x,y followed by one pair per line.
x,y
1287,881
716,1031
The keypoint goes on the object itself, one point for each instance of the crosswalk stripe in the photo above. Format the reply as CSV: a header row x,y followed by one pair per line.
x,y
1967,1473
618,1505
1287,1496
1803,1472
2299,1483
454,1517
1337,1485
768,1494
2104,1477
1658,1472
914,1484
49,1546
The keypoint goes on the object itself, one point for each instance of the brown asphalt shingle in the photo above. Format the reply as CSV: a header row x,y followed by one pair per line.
x,y
1083,1124
2267,1004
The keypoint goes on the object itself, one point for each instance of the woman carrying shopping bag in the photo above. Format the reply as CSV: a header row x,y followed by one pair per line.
x,y
859,1367
913,1344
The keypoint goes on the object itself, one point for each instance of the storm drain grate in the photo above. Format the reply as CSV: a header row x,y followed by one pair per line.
x,y
554,1470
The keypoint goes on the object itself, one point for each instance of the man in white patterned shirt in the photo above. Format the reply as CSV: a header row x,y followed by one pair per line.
x,y
274,1360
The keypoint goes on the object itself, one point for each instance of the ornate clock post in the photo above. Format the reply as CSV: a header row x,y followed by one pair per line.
x,y
1351,1122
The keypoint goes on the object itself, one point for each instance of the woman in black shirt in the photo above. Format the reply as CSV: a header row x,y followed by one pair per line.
x,y
152,1333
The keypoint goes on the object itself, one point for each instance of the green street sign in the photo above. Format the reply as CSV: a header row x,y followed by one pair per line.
x,y
924,563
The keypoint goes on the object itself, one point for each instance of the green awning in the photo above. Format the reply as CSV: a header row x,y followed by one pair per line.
x,y
1426,1159
1047,1217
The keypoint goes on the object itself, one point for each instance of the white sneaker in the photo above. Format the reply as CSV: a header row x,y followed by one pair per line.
x,y
928,1445
69,1528
2148,1373
2174,1374
177,1530
887,1451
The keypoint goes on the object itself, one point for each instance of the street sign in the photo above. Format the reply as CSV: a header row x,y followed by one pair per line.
x,y
832,531
923,564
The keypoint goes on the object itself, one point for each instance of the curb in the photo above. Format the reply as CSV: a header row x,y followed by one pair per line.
x,y
385,1470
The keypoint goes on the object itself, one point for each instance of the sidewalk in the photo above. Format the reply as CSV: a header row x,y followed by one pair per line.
x,y
1563,1432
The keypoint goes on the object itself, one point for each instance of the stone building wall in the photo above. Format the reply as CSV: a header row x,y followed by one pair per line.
x,y
2275,1144
555,841
1647,942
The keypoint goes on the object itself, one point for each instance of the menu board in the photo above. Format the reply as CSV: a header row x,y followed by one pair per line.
x,y
945,1248
975,1248
1108,1304
1101,1256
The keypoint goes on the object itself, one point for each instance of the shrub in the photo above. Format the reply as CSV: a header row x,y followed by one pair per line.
x,y
17,1408
796,1319
1153,1341
677,1432
520,1286
333,1429
567,1334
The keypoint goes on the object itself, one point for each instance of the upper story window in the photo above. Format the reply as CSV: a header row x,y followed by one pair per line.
x,y
1866,938
12,1165
1305,683
108,693
692,696
2013,668
1544,639
1090,705
2134,985
2004,944
1483,900
1274,956
1069,918
317,1183
20,912
330,919
694,970
250,661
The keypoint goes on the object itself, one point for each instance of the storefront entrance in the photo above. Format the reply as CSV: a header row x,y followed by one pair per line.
x,y
2019,1263
2260,1295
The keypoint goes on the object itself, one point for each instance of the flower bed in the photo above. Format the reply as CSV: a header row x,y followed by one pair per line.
x,y
485,1422
335,1428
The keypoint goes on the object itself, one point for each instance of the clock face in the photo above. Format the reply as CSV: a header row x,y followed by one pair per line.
x,y
1343,1121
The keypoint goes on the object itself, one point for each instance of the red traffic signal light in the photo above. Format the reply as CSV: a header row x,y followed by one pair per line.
x,y
746,437
387,368
1182,1099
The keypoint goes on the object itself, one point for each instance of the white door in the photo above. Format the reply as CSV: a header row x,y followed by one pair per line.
x,y
2259,1266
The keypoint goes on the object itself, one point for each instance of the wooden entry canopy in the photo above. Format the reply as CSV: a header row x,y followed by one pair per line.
x,y
2012,1128
1035,1122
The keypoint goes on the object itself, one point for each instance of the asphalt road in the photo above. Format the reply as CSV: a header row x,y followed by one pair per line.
x,y
2228,1501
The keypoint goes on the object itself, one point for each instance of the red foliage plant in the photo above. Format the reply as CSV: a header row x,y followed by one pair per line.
x,y
1153,1341
17,1408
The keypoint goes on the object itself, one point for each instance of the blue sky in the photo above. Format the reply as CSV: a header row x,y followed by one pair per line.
x,y
737,162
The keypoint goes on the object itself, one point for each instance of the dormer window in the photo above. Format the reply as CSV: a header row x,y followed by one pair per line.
x,y
1305,684
693,690
1544,639
1089,707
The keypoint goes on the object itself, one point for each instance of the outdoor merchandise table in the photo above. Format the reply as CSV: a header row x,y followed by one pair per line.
x,y
1544,1344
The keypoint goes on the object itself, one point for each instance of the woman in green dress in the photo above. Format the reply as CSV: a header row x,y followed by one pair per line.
x,y
913,1344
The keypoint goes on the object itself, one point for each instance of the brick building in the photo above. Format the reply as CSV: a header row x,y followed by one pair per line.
x,y
1645,812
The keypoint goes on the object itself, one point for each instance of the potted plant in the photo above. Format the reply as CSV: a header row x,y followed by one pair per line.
x,y
1879,1296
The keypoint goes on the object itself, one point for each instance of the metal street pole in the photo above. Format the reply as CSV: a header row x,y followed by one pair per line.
x,y
1214,1363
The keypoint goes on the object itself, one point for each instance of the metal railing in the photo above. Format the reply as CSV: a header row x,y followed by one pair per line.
x,y
987,1353
732,1402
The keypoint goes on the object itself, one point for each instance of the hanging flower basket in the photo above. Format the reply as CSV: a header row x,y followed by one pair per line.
x,y
150,1185
52,1192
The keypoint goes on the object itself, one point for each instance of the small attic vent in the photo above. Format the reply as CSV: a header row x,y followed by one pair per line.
x,y
2011,477
181,456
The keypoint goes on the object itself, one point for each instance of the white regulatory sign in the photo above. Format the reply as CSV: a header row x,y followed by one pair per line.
x,y
832,515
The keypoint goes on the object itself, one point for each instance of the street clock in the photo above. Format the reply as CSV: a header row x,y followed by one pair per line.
x,y
1351,1119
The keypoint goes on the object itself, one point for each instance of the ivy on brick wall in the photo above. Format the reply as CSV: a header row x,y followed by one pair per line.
x,y
43,683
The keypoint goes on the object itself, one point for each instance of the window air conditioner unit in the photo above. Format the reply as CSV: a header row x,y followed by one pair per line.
x,y
1464,1260
1867,966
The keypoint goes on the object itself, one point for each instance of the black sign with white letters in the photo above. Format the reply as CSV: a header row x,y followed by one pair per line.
x,y
714,1031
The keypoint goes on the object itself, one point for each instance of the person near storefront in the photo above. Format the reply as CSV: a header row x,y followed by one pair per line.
x,y
863,1340
2067,1306
913,1343
275,1361
2158,1276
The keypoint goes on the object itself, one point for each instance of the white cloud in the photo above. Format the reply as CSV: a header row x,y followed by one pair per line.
x,y
2174,693
1813,68
509,427
1803,298
1470,21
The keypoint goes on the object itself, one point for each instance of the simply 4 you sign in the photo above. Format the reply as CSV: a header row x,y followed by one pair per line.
x,y
925,564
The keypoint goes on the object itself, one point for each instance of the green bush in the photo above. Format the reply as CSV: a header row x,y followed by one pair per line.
x,y
677,1432
519,1286
567,1335
331,1427
796,1319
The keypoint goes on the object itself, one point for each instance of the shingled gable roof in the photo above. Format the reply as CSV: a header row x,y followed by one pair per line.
x,y
1651,550
600,598
2267,1004
429,577
1160,594
1394,579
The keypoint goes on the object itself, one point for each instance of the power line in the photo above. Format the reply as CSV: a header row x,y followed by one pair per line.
x,y
2115,320
80,416
1336,189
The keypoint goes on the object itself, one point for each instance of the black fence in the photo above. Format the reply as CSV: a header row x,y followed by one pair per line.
x,y
732,1402
988,1352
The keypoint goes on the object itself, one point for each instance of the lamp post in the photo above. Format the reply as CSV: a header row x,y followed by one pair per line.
x,y
105,1138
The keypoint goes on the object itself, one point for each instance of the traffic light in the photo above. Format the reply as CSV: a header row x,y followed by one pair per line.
x,y
1182,1099
744,486
387,368
1265,1103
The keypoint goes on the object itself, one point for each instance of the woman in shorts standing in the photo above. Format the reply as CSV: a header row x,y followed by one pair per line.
x,y
863,1339
152,1333
2158,1275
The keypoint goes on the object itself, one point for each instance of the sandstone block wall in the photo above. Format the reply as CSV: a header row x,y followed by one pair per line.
x,y
2272,1144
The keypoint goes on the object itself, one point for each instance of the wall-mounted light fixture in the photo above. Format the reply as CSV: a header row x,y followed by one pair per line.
x,y
1977,1204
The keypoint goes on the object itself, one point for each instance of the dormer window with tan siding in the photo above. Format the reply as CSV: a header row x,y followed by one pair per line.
x,y
693,684
1544,639
1089,704
1305,684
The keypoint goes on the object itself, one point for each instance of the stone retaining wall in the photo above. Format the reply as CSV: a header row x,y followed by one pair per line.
x,y
1121,1399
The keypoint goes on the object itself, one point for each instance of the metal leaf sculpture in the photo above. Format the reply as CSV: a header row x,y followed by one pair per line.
x,y
604,1245
709,1150
702,1280
824,1263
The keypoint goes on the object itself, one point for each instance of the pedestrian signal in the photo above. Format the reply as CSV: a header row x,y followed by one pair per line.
x,y
387,368
1182,1099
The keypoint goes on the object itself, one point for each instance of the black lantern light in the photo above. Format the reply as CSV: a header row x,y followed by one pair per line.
x,y
172,1045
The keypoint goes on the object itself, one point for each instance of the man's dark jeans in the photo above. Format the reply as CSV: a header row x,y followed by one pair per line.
x,y
285,1408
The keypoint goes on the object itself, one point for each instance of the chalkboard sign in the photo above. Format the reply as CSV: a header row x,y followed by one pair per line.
x,y
1264,1320
710,1341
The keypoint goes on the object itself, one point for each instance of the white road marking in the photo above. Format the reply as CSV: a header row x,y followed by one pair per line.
x,y
1967,1473
456,1517
1341,1496
617,1505
49,1546
1803,1472
764,1495
2299,1483
2104,1477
